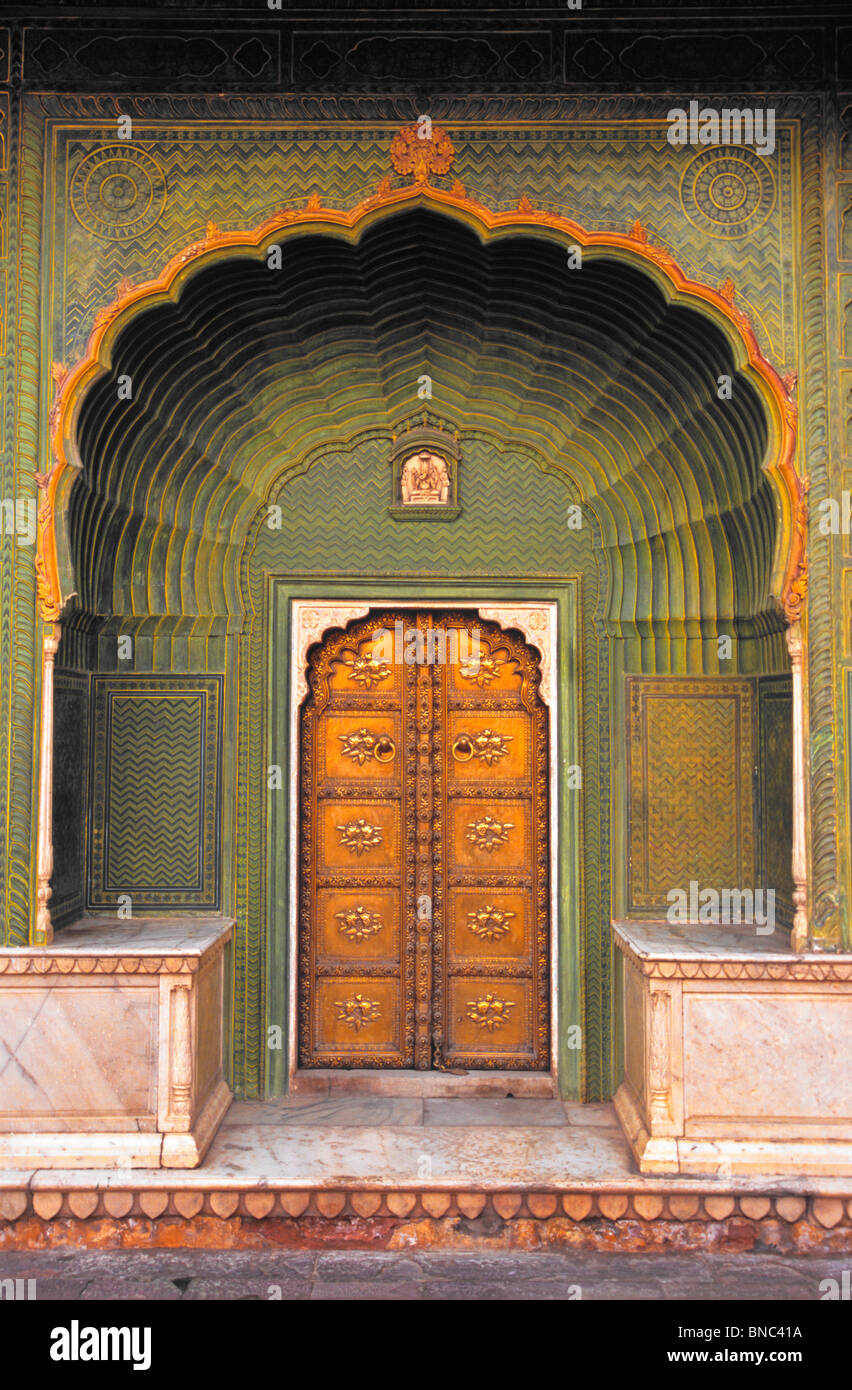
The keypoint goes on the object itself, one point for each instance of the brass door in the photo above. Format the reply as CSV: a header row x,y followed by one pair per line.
x,y
424,899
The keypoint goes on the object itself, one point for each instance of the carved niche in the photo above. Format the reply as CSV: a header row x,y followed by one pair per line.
x,y
425,461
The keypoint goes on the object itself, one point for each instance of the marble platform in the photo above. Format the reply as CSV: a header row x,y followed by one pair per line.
x,y
111,1045
738,1052
385,1143
409,1172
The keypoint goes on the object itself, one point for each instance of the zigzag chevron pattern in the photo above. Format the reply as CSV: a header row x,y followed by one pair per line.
x,y
154,809
154,792
505,499
604,178
692,793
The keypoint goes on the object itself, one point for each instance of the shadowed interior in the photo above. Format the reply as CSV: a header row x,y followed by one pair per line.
x,y
252,369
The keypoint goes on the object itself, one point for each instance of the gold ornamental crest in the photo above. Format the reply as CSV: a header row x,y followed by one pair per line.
x,y
421,150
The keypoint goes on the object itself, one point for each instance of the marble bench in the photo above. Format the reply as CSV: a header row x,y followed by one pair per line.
x,y
111,1045
737,1052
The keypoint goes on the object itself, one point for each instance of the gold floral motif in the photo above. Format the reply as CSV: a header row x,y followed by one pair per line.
x,y
359,835
357,1011
489,1011
488,834
489,922
422,150
360,744
486,745
482,669
366,670
357,924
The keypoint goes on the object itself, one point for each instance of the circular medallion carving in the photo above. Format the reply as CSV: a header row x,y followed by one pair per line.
x,y
118,191
728,192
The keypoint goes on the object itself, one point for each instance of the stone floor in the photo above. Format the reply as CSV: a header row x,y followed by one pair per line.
x,y
419,1275
485,1142
387,1173
488,1144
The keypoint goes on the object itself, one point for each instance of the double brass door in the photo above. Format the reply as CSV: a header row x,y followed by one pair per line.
x,y
424,900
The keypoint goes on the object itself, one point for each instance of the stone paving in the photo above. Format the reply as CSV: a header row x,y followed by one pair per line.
x,y
355,1275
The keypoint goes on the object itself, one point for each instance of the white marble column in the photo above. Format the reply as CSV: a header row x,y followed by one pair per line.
x,y
799,939
43,930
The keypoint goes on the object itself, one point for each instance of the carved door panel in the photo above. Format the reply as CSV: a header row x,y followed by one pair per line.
x,y
491,988
424,871
357,904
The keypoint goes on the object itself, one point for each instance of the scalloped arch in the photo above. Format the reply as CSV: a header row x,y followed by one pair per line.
x,y
637,504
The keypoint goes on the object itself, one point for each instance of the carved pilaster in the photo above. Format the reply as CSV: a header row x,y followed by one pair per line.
x,y
180,1086
799,938
659,1057
43,931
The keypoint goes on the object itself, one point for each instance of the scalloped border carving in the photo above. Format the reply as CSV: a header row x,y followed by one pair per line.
x,y
789,577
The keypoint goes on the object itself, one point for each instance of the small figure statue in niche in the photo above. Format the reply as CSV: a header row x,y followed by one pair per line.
x,y
424,480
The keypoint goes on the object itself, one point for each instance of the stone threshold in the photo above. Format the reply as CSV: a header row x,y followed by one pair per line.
x,y
394,1173
434,1084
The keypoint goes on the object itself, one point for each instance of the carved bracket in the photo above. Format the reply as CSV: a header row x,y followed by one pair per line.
x,y
311,621
537,621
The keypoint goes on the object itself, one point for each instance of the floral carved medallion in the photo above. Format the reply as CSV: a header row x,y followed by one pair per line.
x,y
489,1011
357,924
422,150
481,669
360,744
366,671
487,746
357,1011
488,834
490,923
359,836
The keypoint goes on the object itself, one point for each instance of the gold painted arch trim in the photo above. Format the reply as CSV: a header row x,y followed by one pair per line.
x,y
788,582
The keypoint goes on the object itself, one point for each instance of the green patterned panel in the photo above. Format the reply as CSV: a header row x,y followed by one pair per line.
x,y
70,748
775,696
691,808
155,792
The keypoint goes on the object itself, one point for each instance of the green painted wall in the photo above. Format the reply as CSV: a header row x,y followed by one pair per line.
x,y
594,152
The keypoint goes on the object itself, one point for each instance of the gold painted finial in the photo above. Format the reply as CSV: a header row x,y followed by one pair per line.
x,y
421,150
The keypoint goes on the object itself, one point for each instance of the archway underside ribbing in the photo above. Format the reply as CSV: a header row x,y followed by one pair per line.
x,y
239,371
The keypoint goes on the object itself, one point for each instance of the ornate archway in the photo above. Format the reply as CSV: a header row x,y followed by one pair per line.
x,y
788,581
680,538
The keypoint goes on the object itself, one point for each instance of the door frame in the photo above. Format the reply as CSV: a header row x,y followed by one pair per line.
x,y
288,599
